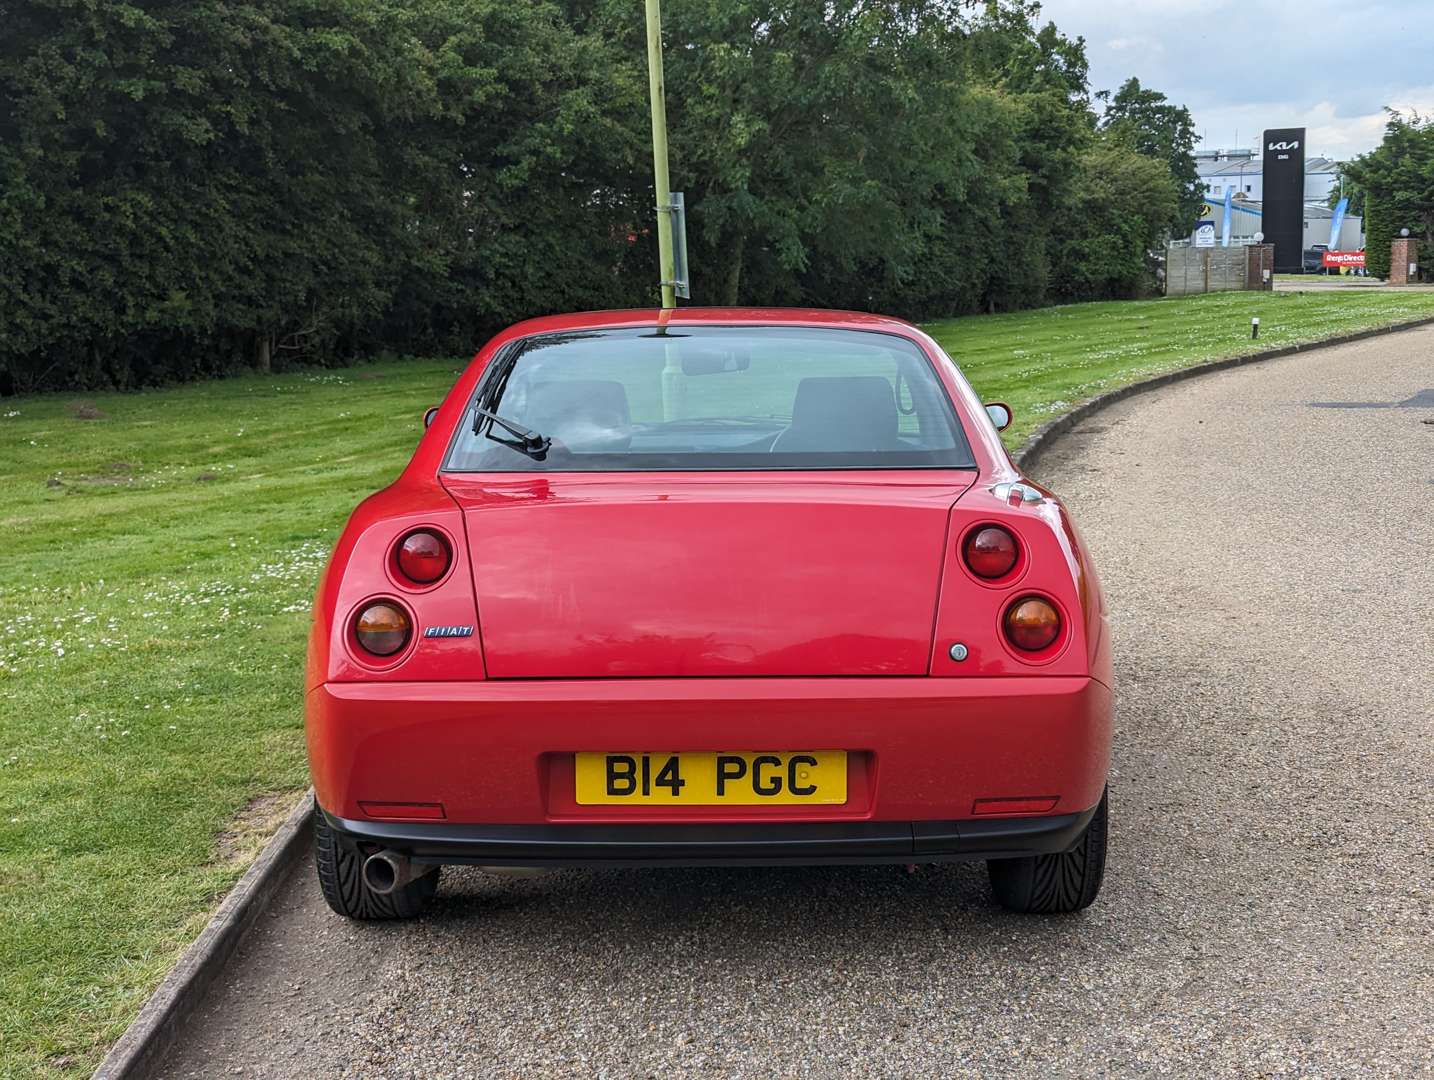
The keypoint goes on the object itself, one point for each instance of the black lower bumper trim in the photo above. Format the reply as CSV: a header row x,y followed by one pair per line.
x,y
581,844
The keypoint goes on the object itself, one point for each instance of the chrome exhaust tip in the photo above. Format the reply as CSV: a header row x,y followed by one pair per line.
x,y
386,871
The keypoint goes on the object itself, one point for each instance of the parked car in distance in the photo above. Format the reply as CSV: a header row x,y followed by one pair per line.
x,y
1314,259
709,587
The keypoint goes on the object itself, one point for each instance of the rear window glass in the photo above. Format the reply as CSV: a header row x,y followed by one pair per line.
x,y
710,398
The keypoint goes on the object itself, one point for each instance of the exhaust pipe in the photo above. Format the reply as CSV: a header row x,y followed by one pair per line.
x,y
388,871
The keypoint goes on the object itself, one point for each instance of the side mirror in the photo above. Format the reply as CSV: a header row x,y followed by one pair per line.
x,y
1000,414
429,415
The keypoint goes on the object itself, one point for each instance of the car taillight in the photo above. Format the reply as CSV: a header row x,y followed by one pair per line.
x,y
1032,624
382,628
423,557
991,552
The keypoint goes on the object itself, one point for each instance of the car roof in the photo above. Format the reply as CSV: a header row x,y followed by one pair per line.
x,y
697,316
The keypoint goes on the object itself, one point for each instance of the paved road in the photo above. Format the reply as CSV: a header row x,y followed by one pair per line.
x,y
1269,907
1322,282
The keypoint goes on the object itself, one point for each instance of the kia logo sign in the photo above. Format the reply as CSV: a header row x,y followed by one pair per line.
x,y
1285,145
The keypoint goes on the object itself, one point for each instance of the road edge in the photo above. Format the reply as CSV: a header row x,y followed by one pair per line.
x,y
151,1034
1039,441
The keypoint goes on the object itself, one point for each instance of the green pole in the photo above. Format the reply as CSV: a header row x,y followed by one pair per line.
x,y
665,261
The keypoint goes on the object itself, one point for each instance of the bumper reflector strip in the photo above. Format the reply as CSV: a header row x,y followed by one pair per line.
x,y
1024,804
407,811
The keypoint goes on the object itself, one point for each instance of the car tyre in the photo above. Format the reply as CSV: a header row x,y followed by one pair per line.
x,y
1055,884
340,866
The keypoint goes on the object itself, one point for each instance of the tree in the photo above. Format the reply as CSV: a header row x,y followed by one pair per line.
x,y
1116,220
1397,178
1044,77
808,137
523,182
1346,189
868,153
1146,122
189,187
202,179
1378,235
200,184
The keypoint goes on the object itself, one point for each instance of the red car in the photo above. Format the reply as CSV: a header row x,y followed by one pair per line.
x,y
709,587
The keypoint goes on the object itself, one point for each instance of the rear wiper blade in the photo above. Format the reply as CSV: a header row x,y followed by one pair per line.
x,y
533,443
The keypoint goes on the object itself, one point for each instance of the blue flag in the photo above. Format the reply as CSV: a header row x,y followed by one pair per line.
x,y
1336,222
1229,196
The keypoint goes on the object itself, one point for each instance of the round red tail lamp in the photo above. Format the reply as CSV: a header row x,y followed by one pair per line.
x,y
991,552
382,628
1032,624
424,557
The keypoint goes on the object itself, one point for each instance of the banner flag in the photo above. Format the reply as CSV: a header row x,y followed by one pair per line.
x,y
1229,196
1336,223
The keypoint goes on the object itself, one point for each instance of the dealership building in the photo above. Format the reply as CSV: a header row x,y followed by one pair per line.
x,y
1241,171
1247,219
1240,175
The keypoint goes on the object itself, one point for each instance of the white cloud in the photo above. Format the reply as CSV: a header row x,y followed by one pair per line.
x,y
1134,44
1344,137
1328,132
1245,65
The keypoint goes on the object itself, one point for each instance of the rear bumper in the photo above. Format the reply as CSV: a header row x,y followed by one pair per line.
x,y
790,843
498,753
921,751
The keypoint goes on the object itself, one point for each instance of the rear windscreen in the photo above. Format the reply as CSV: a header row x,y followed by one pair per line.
x,y
710,398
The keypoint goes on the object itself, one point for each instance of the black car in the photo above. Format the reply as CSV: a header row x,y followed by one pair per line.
x,y
1314,259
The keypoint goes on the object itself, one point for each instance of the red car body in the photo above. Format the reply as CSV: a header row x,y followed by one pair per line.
x,y
611,612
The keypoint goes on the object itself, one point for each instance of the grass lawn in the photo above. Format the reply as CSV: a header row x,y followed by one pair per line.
x,y
161,551
1044,362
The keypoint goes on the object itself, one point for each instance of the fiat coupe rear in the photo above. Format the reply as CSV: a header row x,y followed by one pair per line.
x,y
717,587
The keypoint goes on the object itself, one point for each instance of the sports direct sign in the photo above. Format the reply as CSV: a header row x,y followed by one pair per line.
x,y
1343,258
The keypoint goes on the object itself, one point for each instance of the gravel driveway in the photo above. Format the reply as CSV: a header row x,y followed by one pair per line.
x,y
1267,908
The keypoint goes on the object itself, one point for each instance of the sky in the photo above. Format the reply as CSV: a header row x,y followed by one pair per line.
x,y
1241,66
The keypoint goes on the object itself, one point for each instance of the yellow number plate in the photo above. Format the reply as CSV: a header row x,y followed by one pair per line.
x,y
712,779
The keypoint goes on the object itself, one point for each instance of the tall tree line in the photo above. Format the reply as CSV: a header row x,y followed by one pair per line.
x,y
1393,185
190,187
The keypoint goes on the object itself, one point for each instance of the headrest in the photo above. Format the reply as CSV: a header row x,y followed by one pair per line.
x,y
842,414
